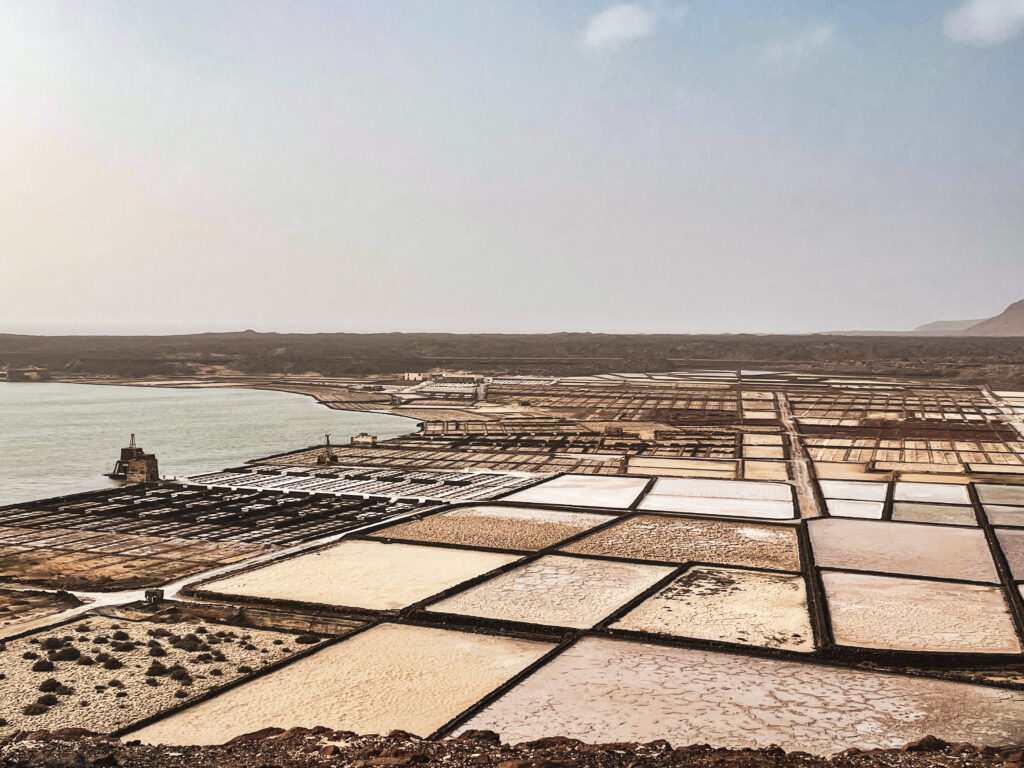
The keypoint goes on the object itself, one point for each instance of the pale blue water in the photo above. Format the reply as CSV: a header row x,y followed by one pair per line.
x,y
57,439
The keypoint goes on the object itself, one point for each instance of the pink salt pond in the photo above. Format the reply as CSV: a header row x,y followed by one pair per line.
x,y
939,551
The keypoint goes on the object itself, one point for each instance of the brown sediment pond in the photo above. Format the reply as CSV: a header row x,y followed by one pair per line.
x,y
940,514
612,690
557,591
497,527
729,605
1002,515
940,551
1012,543
21,610
1012,495
680,540
363,574
915,615
388,677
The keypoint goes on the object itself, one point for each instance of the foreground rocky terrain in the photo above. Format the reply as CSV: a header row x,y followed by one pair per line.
x,y
276,748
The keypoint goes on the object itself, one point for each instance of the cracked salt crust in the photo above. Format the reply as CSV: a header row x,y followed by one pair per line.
x,y
556,590
916,615
729,605
602,690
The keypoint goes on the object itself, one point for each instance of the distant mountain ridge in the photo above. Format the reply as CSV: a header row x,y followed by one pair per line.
x,y
1009,323
946,327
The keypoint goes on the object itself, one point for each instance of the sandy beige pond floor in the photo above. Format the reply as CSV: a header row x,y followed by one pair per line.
x,y
557,591
520,528
391,676
681,540
918,615
363,574
940,551
602,690
729,605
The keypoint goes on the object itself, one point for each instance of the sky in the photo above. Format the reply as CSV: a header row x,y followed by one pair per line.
x,y
702,166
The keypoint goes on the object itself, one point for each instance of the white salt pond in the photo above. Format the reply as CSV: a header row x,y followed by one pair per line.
x,y
557,591
853,490
584,491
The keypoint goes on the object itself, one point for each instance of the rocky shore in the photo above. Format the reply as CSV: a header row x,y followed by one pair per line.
x,y
305,747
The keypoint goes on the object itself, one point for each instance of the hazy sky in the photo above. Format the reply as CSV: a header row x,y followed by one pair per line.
x,y
513,165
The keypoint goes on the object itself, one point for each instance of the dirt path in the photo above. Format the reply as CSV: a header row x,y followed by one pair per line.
x,y
803,475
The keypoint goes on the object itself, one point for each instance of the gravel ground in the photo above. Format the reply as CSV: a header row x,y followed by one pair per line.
x,y
91,697
679,540
519,528
304,748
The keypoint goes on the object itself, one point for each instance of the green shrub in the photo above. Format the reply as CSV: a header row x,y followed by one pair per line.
x,y
112,664
47,700
307,639
68,654
43,665
34,709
